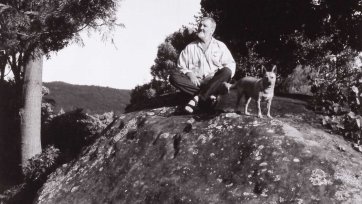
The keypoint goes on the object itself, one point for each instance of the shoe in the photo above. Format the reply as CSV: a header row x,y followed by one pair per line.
x,y
213,101
192,104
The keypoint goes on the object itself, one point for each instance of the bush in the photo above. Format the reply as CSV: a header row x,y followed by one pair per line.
x,y
299,82
35,174
41,165
141,94
250,64
71,131
337,94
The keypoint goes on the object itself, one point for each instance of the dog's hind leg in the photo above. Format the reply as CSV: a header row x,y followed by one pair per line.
x,y
247,101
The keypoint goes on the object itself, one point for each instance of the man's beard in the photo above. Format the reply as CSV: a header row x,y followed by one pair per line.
x,y
203,36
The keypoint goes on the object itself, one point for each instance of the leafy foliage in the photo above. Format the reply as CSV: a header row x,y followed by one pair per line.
x,y
165,61
250,64
168,52
299,82
283,30
42,164
337,94
71,131
47,25
36,172
141,94
50,25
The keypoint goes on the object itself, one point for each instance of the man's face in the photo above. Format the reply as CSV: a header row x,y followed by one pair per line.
x,y
206,29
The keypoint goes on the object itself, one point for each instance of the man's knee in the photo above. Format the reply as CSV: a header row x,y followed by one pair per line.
x,y
175,77
225,73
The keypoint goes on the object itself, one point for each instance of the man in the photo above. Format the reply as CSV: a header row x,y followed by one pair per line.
x,y
203,66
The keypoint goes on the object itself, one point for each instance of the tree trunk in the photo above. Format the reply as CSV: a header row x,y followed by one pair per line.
x,y
30,113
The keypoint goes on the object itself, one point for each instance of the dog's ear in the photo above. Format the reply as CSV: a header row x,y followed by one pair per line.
x,y
263,69
274,69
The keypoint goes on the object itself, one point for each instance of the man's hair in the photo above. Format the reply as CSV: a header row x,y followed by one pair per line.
x,y
210,19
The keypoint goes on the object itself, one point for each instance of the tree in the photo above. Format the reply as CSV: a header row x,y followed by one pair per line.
x,y
168,52
31,29
268,23
165,61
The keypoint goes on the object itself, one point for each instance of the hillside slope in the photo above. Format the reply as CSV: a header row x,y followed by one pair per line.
x,y
93,99
156,156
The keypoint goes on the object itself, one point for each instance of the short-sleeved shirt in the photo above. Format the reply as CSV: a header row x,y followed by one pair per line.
x,y
205,64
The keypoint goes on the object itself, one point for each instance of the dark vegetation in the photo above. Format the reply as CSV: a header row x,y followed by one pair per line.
x,y
64,135
92,99
9,134
30,29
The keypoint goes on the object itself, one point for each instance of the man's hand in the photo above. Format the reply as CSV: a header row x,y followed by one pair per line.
x,y
193,78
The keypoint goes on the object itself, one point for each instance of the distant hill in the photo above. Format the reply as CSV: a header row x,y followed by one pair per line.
x,y
92,99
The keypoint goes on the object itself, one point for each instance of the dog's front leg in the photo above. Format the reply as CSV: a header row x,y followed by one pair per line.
x,y
269,105
248,99
259,109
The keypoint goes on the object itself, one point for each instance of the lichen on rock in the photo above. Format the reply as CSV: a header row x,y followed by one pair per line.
x,y
154,156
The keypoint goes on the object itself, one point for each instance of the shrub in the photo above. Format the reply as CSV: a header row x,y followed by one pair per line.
x,y
71,131
251,63
299,82
140,94
42,164
337,94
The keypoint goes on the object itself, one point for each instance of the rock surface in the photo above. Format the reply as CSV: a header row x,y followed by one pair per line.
x,y
155,156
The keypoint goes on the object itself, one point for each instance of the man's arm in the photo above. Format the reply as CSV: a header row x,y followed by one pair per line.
x,y
227,59
183,62
183,66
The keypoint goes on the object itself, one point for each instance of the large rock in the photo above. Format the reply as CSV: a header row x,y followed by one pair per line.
x,y
157,157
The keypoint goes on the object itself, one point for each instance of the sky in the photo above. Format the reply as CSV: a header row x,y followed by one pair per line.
x,y
127,63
